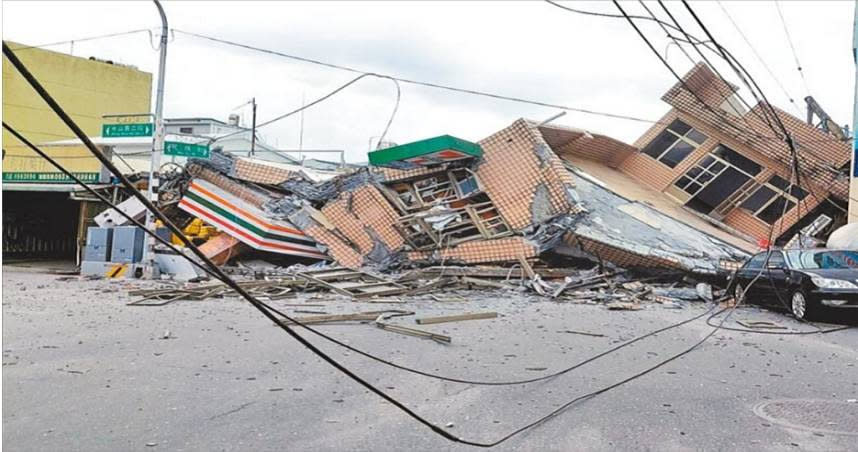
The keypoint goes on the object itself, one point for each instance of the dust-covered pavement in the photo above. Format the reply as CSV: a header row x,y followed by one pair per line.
x,y
82,371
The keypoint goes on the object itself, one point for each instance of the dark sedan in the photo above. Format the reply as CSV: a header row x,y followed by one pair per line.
x,y
802,281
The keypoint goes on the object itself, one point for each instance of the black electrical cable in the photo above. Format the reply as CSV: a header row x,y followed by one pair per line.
x,y
781,333
764,118
260,306
19,66
320,334
516,432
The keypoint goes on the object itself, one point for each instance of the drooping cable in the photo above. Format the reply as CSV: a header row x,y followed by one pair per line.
x,y
418,82
792,47
759,57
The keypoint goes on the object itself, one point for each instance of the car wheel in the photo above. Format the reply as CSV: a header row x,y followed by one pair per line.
x,y
800,306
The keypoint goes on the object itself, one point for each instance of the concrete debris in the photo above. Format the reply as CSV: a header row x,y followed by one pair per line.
x,y
416,209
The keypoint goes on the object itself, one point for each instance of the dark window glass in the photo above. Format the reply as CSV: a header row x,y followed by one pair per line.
x,y
657,146
696,136
682,182
784,185
758,199
707,161
745,164
840,259
798,192
693,172
757,261
679,127
779,182
186,130
705,177
776,259
717,167
775,210
693,188
718,190
677,154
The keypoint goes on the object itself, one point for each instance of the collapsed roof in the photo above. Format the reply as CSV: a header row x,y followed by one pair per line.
x,y
508,197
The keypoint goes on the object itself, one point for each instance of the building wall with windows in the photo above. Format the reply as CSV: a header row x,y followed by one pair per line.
x,y
716,171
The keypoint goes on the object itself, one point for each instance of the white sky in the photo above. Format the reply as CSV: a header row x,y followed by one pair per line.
x,y
527,49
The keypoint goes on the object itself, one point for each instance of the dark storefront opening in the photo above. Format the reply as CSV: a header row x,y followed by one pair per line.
x,y
39,225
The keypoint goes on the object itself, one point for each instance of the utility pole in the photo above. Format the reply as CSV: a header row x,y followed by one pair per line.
x,y
852,216
253,129
149,267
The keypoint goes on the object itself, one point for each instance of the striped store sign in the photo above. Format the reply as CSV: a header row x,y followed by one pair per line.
x,y
246,223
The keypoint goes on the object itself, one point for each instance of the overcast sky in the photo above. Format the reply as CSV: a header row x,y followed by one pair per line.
x,y
526,49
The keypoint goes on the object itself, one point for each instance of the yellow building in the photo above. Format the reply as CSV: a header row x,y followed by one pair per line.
x,y
41,209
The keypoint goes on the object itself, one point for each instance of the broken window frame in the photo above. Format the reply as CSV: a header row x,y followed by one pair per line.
x,y
775,199
684,138
717,156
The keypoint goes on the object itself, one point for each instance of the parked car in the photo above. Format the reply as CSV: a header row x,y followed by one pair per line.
x,y
802,281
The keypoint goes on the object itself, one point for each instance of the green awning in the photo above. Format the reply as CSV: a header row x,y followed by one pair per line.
x,y
432,151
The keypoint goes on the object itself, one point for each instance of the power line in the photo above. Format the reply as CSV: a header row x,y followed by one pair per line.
x,y
792,47
417,82
89,38
322,99
664,28
263,308
718,73
760,58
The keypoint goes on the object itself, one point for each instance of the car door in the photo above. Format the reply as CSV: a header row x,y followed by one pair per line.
x,y
775,286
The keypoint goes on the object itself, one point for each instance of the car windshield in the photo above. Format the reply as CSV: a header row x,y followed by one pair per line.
x,y
823,259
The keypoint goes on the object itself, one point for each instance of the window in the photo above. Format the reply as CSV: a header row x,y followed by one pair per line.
x,y
773,199
776,259
186,130
738,160
698,176
674,143
756,261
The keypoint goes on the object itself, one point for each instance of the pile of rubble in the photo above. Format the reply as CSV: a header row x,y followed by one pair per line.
x,y
509,200
288,287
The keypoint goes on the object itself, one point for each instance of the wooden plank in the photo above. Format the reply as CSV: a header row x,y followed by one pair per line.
x,y
456,318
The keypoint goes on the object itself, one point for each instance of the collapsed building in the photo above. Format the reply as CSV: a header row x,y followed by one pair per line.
x,y
701,190
445,200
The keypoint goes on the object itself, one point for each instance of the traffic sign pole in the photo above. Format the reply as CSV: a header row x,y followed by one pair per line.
x,y
149,268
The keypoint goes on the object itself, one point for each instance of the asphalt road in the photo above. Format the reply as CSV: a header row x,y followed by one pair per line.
x,y
82,371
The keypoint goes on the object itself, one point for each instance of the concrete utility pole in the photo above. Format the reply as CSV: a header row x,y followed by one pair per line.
x,y
149,267
853,180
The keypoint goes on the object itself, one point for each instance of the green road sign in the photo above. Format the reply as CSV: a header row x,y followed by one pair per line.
x,y
126,130
186,149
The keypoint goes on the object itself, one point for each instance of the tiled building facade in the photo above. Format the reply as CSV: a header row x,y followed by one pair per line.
x,y
730,166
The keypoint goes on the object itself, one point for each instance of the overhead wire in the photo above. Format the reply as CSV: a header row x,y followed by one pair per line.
x,y
760,57
260,306
207,270
402,407
418,82
720,87
327,96
792,47
88,38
